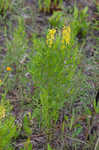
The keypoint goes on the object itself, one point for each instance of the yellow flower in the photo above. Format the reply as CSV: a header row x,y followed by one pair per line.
x,y
0,81
50,37
65,35
8,69
68,29
2,112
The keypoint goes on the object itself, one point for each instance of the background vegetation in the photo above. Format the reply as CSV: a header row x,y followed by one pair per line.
x,y
49,75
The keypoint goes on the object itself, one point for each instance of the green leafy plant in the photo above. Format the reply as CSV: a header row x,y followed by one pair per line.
x,y
80,19
47,4
26,125
8,129
57,19
53,64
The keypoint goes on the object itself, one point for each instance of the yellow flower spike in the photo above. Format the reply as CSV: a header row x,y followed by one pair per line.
x,y
50,37
68,29
8,69
2,112
0,81
65,35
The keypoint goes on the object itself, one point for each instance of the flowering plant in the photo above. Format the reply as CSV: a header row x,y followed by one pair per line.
x,y
53,65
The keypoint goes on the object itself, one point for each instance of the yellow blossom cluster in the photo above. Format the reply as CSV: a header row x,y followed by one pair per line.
x,y
50,37
65,35
2,112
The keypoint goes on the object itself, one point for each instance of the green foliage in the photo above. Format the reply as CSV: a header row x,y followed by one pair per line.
x,y
26,125
16,47
46,4
8,129
57,19
16,54
49,147
80,19
4,6
7,132
77,131
96,107
27,145
53,70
